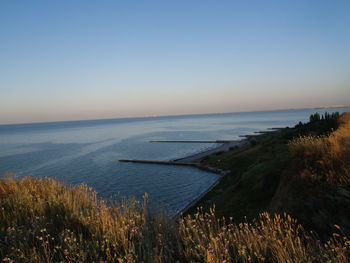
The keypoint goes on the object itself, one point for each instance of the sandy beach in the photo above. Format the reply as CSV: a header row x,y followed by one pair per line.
x,y
222,147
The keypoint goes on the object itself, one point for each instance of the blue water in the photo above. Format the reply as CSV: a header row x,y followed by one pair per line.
x,y
87,151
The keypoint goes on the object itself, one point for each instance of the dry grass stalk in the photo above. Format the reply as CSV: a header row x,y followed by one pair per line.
x,y
43,220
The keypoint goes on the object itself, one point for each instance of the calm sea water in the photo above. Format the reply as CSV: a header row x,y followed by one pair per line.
x,y
87,151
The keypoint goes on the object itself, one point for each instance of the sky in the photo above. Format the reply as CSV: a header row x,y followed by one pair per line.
x,y
73,60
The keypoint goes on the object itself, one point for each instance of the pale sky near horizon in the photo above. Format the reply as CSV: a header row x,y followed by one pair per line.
x,y
72,60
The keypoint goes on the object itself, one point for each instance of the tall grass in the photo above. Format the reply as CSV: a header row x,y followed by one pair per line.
x,y
42,220
326,158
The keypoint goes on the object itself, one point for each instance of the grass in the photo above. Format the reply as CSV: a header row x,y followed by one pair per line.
x,y
315,187
326,158
43,220
303,171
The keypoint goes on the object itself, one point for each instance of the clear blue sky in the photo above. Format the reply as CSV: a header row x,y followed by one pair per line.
x,y
69,60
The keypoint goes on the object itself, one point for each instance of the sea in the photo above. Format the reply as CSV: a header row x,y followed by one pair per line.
x,y
87,151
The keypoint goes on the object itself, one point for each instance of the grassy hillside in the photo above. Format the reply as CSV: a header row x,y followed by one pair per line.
x,y
315,187
43,220
256,169
302,170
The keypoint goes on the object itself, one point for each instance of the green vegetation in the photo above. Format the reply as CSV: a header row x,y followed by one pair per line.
x,y
256,169
302,170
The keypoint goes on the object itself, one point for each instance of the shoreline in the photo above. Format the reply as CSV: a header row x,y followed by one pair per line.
x,y
197,157
222,147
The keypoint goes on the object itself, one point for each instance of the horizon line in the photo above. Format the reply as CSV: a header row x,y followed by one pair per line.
x,y
175,115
